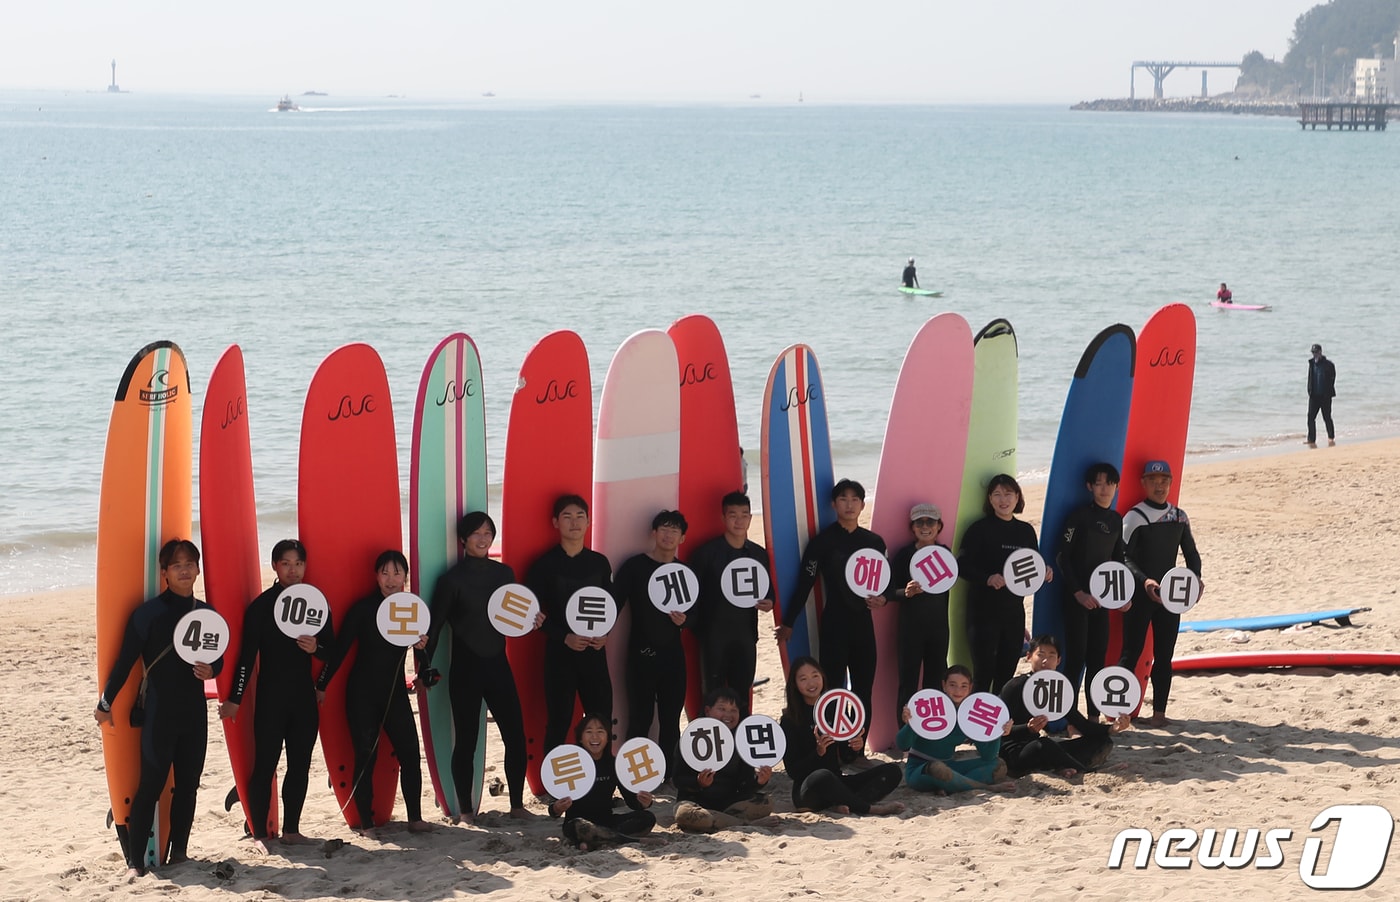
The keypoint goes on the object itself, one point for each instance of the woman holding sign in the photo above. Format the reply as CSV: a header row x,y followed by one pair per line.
x,y
376,699
933,763
923,602
175,731
998,558
814,757
589,821
480,671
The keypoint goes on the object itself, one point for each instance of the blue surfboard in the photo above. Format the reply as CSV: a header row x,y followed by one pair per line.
x,y
1093,428
1270,622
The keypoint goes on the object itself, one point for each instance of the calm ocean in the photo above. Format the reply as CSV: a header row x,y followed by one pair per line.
x,y
208,221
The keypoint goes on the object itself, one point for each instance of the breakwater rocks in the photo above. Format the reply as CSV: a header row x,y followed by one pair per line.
x,y
1193,105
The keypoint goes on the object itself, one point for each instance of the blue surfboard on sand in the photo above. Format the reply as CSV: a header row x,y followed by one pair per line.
x,y
1270,622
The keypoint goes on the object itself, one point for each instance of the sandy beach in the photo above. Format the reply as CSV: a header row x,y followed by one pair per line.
x,y
1296,531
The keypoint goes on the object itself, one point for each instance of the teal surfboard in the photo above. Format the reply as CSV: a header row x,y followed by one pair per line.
x,y
1271,621
921,292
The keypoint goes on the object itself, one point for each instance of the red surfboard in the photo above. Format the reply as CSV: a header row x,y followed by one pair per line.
x,y
1260,660
348,511
228,528
549,452
1157,423
711,462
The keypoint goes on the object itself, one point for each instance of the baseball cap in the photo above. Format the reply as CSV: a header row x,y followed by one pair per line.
x,y
1316,348
1157,466
919,511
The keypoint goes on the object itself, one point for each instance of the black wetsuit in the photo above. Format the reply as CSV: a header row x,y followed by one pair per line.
x,y
923,632
175,732
817,781
570,674
1322,388
656,675
1092,536
847,638
480,671
1153,534
286,712
1025,751
911,279
996,618
596,805
376,702
728,633
736,782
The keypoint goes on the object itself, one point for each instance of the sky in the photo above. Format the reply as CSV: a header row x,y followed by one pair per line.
x,y
919,51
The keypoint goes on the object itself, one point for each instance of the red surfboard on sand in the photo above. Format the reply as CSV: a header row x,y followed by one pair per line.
x,y
1157,423
228,531
549,452
348,511
1260,660
711,466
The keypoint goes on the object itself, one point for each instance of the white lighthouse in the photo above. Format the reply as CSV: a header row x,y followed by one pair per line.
x,y
112,88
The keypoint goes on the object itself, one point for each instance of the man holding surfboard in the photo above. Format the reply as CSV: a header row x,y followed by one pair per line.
x,y
911,276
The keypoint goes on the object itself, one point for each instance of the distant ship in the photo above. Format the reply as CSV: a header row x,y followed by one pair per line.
x,y
313,94
488,93
285,105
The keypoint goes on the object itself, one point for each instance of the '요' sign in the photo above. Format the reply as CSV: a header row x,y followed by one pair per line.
x,y
568,772
301,610
403,619
1048,693
1115,690
981,716
744,582
762,743
1024,572
673,587
932,714
591,612
1112,585
840,714
867,572
201,636
1180,589
512,609
935,568
640,765
707,744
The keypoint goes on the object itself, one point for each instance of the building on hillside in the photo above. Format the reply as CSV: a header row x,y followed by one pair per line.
x,y
1378,80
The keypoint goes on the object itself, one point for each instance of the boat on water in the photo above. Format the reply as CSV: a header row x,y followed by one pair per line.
x,y
285,105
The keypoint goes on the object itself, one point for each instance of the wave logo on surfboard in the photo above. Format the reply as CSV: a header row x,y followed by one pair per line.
x,y
797,398
456,391
1003,454
1167,357
555,392
233,412
158,390
693,377
347,408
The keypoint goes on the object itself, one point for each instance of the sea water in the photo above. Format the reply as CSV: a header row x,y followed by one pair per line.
x,y
208,221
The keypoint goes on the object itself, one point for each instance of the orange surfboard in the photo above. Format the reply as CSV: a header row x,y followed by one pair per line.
x,y
144,502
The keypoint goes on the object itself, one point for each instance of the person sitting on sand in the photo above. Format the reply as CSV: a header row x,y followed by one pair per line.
x,y
931,765
713,800
1025,750
814,759
589,821
376,699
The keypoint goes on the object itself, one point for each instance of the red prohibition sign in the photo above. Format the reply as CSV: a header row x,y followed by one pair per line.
x,y
847,714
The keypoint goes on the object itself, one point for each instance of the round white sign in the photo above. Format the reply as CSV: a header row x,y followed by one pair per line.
x,y
932,714
868,573
707,744
591,612
568,772
673,587
301,610
640,765
840,714
512,609
1180,590
1048,693
761,741
981,716
1115,690
201,636
403,618
1024,572
744,582
935,568
1112,584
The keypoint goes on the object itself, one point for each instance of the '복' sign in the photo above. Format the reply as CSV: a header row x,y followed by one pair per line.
x,y
981,716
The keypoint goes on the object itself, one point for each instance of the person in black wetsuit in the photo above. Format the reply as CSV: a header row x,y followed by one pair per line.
x,y
376,698
1025,750
288,709
480,669
732,796
923,617
656,674
847,629
729,633
910,277
589,821
996,616
1154,530
1093,535
814,760
1322,388
175,732
574,666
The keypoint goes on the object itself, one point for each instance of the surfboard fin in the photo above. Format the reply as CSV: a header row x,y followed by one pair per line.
x,y
110,820
231,799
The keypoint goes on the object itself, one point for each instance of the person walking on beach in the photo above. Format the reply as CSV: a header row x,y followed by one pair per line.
x,y
1154,531
175,730
1322,388
911,277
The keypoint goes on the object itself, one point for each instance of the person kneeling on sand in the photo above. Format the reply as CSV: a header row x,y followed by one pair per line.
x,y
931,765
710,799
589,821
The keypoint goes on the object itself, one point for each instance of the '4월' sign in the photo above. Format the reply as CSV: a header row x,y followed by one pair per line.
x,y
673,587
201,636
301,610
867,573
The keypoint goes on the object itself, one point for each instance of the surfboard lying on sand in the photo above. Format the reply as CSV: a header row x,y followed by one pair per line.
x,y
1258,660
921,292
1221,305
144,502
1271,622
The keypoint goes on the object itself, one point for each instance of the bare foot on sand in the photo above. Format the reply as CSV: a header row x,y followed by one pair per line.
x,y
1069,772
260,846
134,874
887,808
520,814
841,809
1159,720
420,827
296,839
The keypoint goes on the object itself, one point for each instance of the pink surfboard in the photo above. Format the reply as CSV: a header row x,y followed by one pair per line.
x,y
636,470
921,462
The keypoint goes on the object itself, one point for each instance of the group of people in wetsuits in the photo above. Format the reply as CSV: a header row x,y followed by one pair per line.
x,y
576,669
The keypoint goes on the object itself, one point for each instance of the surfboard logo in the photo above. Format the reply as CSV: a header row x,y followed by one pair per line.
x,y
556,392
796,397
693,376
233,412
456,391
1003,454
1169,357
158,390
349,408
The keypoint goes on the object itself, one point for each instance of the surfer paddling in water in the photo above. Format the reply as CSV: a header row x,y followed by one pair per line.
x,y
1225,295
174,728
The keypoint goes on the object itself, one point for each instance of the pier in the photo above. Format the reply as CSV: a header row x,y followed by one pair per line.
x,y
1159,70
1344,116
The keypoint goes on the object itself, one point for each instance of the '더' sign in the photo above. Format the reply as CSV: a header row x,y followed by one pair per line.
x,y
840,714
867,572
744,582
201,636
1180,589
403,619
